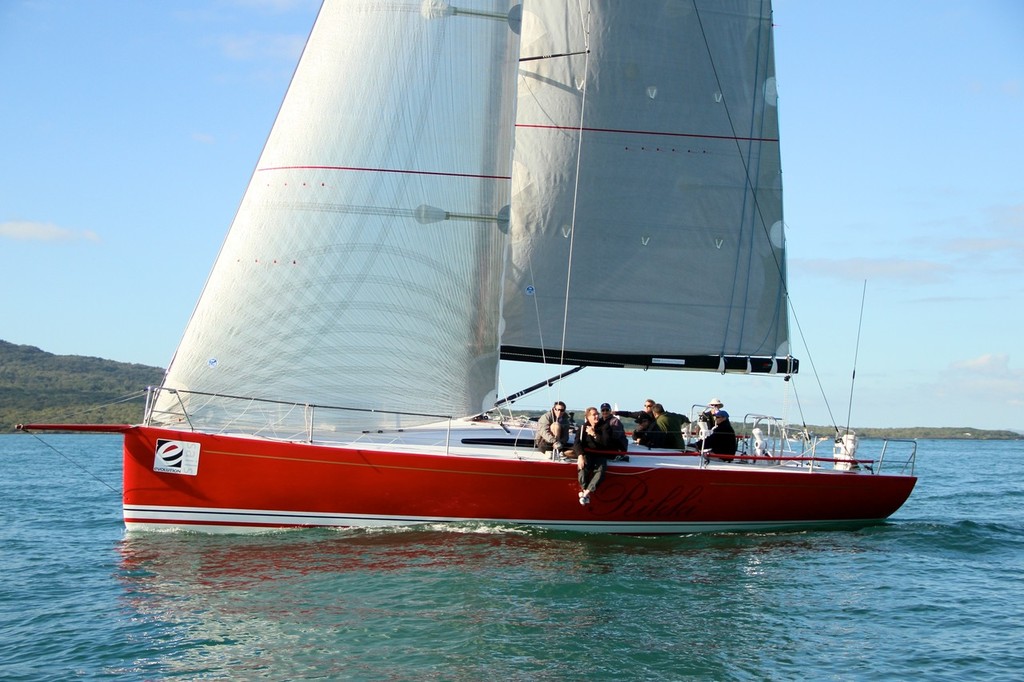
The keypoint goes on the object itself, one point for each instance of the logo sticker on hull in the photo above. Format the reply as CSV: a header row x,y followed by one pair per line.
x,y
176,457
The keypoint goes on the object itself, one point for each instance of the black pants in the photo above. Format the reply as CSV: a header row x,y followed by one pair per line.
x,y
592,471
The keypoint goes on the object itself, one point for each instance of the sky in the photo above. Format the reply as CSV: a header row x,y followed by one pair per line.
x,y
129,130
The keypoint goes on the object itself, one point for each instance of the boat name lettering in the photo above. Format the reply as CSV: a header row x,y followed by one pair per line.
x,y
637,501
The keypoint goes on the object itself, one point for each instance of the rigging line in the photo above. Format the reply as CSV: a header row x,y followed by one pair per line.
x,y
553,56
799,405
856,354
125,398
76,464
585,17
814,371
536,312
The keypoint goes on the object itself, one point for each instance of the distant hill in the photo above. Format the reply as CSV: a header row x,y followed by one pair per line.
x,y
943,432
36,386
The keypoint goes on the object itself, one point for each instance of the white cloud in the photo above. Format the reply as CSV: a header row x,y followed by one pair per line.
x,y
886,269
260,46
1002,237
44,232
989,379
1009,218
989,364
981,392
275,6
977,245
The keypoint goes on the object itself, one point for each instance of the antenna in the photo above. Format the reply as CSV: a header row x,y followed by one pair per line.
x,y
856,352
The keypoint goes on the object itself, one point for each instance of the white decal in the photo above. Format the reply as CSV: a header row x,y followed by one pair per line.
x,y
176,457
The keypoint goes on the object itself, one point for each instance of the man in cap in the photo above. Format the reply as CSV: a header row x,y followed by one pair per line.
x,y
615,427
722,439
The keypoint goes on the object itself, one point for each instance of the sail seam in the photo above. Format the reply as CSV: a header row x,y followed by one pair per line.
x,y
627,131
388,170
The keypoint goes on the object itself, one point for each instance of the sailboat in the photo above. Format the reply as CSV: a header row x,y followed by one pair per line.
x,y
451,186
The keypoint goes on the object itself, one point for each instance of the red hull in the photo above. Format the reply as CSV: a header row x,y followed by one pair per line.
x,y
250,484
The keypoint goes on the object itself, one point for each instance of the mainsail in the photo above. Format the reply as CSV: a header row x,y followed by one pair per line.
x,y
647,197
367,249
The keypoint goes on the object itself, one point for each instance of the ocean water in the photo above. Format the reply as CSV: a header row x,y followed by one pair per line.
x,y
937,593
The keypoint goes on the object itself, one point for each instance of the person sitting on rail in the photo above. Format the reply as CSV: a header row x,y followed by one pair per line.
x,y
553,430
595,443
617,430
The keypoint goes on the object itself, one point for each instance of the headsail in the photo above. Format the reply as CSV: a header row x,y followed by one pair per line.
x,y
647,196
367,250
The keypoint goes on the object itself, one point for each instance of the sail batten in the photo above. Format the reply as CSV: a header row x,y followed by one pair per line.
x,y
664,133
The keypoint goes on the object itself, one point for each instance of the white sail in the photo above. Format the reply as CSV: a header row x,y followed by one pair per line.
x,y
363,267
647,202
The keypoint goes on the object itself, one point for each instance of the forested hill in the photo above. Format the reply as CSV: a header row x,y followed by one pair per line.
x,y
947,432
40,387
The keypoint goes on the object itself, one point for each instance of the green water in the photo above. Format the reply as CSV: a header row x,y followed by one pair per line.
x,y
934,594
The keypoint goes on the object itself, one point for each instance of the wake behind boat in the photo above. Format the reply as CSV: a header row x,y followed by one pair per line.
x,y
451,185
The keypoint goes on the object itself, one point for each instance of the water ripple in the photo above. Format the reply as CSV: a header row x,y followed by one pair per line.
x,y
933,594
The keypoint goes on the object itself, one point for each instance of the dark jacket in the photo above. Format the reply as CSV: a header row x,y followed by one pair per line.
x,y
644,425
602,440
595,450
618,433
721,440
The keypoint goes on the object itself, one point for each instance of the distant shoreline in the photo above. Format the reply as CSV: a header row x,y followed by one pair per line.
x,y
36,386
929,433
